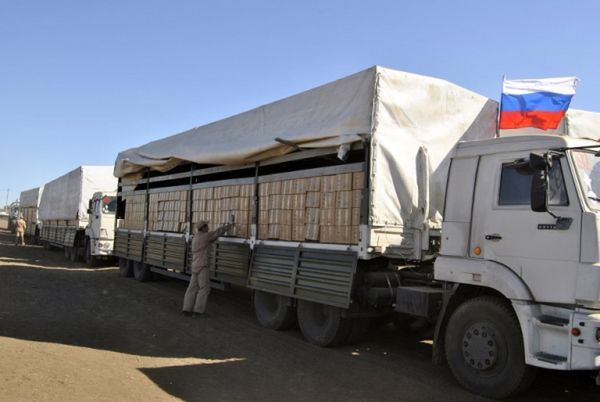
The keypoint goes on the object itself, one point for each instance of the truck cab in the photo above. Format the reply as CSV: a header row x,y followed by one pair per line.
x,y
520,246
101,224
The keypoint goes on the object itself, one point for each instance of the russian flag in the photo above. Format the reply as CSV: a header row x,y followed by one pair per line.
x,y
539,103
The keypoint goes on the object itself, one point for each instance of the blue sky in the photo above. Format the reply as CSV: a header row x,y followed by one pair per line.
x,y
81,80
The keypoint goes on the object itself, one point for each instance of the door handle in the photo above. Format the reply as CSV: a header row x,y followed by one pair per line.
x,y
494,237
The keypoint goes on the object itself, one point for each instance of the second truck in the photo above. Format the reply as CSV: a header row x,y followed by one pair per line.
x,y
77,213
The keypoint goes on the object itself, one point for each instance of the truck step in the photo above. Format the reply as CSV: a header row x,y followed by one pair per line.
x,y
553,321
550,358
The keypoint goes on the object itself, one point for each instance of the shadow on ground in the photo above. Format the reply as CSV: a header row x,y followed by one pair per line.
x,y
45,298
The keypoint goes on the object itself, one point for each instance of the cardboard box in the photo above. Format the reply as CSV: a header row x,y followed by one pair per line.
x,y
312,232
299,201
300,186
343,217
263,231
298,232
298,217
356,198
313,199
328,200
327,216
355,217
274,188
312,184
328,184
312,216
287,187
343,199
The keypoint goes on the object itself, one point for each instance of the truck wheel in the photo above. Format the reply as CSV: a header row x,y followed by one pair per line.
x,y
90,260
359,327
141,271
321,324
74,254
273,311
484,348
125,268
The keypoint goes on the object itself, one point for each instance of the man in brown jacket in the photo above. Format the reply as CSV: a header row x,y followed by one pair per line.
x,y
20,226
196,295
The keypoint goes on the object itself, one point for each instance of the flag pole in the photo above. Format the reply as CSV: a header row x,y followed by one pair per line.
x,y
500,107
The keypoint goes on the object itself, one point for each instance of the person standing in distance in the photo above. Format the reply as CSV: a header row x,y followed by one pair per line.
x,y
20,226
196,295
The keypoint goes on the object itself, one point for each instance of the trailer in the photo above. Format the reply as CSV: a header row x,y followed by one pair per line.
x,y
29,203
75,206
384,193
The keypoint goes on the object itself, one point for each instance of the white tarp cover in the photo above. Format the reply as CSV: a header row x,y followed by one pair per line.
x,y
31,198
401,112
67,196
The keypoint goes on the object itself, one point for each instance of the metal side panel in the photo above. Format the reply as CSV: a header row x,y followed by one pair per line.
x,y
272,269
229,262
69,239
120,246
165,252
129,245
325,277
321,276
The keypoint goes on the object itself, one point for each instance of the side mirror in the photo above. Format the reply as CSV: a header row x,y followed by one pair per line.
x,y
539,191
539,162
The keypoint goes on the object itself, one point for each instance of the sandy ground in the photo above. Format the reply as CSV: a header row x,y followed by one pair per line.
x,y
71,333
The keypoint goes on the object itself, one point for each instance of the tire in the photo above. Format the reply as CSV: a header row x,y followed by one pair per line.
x,y
90,260
75,254
141,272
484,348
358,329
322,325
273,311
125,268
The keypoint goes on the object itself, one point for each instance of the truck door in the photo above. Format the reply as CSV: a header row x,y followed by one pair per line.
x,y
510,233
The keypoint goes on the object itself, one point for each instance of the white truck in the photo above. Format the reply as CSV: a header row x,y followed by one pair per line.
x,y
386,192
77,211
29,203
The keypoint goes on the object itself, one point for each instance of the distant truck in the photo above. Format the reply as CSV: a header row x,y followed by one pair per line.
x,y
29,203
77,212
386,193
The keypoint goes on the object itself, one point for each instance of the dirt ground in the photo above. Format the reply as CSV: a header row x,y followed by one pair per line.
x,y
72,333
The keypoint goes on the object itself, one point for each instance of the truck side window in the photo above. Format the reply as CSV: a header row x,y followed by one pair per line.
x,y
515,186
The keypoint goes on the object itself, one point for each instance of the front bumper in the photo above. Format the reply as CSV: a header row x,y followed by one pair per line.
x,y
585,347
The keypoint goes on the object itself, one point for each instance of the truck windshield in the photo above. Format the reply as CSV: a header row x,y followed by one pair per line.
x,y
588,169
109,205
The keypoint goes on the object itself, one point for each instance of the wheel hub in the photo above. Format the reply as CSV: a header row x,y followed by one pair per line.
x,y
479,347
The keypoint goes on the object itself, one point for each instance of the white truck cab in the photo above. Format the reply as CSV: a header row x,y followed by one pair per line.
x,y
101,226
521,244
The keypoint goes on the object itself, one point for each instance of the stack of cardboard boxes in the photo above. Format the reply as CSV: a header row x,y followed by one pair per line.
x,y
322,208
220,205
167,212
134,212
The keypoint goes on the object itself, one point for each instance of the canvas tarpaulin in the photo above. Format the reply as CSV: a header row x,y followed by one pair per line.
x,y
31,198
402,114
67,196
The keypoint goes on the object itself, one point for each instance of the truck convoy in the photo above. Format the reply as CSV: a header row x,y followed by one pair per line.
x,y
29,203
77,211
386,192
